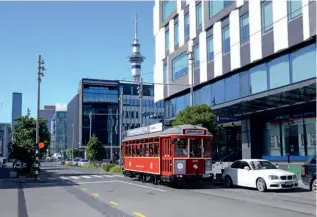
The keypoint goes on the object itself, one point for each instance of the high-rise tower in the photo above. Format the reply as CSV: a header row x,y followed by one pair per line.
x,y
136,58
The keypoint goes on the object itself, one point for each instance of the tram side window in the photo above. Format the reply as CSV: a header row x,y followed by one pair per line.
x,y
151,150
181,148
207,148
195,147
137,150
142,150
156,149
146,150
133,150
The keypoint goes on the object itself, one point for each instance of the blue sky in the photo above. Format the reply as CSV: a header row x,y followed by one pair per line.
x,y
76,40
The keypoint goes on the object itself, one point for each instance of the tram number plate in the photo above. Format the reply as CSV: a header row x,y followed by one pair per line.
x,y
288,183
195,161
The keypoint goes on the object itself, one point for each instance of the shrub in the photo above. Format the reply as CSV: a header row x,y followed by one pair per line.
x,y
68,164
108,167
116,169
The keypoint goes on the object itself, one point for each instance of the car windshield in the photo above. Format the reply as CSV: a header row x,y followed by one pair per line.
x,y
84,160
262,165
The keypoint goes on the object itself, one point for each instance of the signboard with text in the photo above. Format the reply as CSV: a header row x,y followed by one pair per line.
x,y
147,129
194,132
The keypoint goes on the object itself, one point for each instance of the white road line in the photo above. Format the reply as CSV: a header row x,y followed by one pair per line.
x,y
74,177
118,175
96,176
108,176
63,177
86,177
97,182
141,186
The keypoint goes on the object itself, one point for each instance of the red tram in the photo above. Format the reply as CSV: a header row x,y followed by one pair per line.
x,y
173,155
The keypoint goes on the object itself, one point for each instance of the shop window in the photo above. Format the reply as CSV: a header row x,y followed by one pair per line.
x,y
244,84
279,72
273,140
293,138
258,79
310,124
218,92
303,63
232,87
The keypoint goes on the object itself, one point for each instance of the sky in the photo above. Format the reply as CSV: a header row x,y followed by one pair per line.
x,y
76,40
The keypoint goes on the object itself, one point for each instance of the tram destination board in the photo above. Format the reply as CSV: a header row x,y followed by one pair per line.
x,y
147,129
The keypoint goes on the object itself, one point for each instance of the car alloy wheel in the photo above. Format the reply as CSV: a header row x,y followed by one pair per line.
x,y
314,186
261,185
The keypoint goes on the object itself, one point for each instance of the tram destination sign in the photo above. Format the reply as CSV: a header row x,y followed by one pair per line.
x,y
194,132
147,129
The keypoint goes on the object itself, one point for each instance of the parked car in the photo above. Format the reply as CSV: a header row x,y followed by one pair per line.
x,y
260,174
19,165
309,173
82,162
75,161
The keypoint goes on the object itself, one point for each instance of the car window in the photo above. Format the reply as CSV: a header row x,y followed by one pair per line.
x,y
313,160
262,165
244,164
236,165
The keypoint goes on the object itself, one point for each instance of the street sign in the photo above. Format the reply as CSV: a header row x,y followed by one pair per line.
x,y
41,145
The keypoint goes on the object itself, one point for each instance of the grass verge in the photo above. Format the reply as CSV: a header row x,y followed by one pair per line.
x,y
112,168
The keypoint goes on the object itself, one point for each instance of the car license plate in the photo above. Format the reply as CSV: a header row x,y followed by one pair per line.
x,y
288,183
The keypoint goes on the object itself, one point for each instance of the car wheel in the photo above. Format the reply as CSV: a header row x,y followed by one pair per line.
x,y
261,185
228,182
313,186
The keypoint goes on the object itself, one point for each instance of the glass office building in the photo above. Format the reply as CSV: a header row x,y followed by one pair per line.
x,y
16,107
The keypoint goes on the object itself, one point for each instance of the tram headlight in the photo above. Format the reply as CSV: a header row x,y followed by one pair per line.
x,y
208,166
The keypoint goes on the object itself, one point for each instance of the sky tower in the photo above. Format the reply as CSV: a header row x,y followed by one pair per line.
x,y
136,58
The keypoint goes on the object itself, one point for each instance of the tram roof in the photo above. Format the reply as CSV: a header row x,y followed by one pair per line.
x,y
177,130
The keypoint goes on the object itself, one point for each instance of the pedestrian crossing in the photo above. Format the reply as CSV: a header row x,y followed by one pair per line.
x,y
89,177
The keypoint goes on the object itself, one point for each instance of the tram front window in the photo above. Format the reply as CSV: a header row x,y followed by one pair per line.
x,y
195,148
181,148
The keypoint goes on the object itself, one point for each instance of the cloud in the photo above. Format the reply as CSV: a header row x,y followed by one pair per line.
x,y
61,107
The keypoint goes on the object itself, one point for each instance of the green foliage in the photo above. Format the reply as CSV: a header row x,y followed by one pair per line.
x,y
199,114
77,153
108,167
95,150
24,135
115,169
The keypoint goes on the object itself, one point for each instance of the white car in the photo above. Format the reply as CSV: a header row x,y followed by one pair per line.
x,y
82,162
259,174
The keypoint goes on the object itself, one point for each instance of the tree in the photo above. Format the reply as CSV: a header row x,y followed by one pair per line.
x,y
77,153
199,114
24,135
95,150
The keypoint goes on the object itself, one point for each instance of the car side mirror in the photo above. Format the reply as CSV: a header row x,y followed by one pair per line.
x,y
246,168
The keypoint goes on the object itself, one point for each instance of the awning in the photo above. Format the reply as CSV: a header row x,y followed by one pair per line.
x,y
290,95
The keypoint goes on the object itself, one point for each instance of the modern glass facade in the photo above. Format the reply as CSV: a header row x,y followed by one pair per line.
x,y
61,131
180,66
168,7
16,107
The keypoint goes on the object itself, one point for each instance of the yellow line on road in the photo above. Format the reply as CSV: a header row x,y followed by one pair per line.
x,y
113,203
96,195
84,189
138,214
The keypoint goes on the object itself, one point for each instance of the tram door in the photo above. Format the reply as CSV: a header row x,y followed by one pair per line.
x,y
166,159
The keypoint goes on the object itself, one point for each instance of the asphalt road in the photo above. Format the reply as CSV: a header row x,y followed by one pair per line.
x,y
86,192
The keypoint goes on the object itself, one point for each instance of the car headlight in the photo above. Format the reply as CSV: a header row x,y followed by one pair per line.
x,y
273,177
294,177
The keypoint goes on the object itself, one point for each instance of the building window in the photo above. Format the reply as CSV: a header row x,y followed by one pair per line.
x,y
210,48
258,79
244,28
215,6
267,16
196,57
198,15
167,40
244,84
180,66
303,63
279,72
165,73
176,34
186,28
225,40
232,86
218,92
294,8
168,7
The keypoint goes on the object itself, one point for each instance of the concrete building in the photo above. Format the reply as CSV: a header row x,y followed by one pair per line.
x,y
16,107
59,132
47,113
254,63
5,139
100,97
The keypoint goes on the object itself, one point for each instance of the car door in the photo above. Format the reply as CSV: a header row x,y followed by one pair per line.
x,y
233,172
244,175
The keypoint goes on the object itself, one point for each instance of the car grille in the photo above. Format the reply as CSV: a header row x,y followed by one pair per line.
x,y
286,177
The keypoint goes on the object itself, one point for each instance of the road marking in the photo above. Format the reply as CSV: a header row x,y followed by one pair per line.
x,y
97,182
74,177
142,186
63,177
118,175
84,189
108,176
138,214
96,195
86,177
113,203
96,176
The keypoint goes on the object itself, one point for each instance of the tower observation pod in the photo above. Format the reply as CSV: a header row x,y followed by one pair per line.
x,y
136,58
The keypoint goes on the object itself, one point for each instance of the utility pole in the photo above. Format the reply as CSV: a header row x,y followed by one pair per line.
x,y
140,92
40,74
191,65
120,126
73,126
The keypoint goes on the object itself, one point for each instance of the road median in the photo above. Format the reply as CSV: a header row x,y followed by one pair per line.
x,y
108,168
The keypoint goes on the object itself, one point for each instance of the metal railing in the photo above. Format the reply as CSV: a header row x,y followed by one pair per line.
x,y
226,157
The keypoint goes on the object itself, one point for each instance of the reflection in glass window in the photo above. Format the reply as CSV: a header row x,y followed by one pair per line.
x,y
176,33
279,72
165,70
232,87
267,16
179,66
258,79
303,63
218,92
210,48
186,27
198,15
225,40
216,6
196,57
168,7
294,8
272,140
244,28
167,40
244,84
